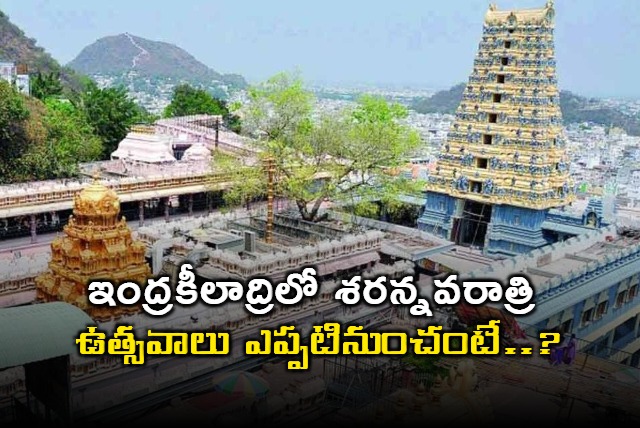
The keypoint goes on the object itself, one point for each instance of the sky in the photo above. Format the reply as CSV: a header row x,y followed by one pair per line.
x,y
417,43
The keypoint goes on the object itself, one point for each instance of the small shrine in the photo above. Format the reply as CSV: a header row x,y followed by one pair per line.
x,y
96,246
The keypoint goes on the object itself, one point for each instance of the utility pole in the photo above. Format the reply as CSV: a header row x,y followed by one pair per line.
x,y
268,236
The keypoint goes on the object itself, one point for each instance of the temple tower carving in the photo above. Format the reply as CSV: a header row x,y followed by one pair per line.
x,y
97,246
504,162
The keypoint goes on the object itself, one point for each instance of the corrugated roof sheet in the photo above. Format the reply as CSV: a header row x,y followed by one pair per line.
x,y
38,332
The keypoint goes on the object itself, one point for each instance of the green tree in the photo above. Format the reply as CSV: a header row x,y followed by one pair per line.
x,y
110,112
70,136
46,85
14,115
187,100
346,157
67,141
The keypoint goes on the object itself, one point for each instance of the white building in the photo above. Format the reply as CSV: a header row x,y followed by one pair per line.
x,y
15,75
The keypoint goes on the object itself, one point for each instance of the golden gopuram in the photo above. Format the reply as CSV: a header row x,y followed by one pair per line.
x,y
504,162
96,246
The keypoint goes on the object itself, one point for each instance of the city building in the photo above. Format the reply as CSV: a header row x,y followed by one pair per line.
x,y
504,164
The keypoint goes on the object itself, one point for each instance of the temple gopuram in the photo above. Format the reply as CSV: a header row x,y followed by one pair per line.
x,y
504,164
97,246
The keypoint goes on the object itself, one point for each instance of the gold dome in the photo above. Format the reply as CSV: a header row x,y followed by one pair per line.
x,y
96,199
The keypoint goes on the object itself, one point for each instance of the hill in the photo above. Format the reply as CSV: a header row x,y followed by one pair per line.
x,y
147,59
575,109
16,47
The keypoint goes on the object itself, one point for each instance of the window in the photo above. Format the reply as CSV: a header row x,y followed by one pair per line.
x,y
565,327
493,118
601,309
621,298
500,78
516,220
633,292
510,30
475,186
507,44
504,60
487,139
586,317
482,163
497,98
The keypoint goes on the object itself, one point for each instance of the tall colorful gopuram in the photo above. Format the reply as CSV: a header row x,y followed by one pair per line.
x,y
504,164
96,246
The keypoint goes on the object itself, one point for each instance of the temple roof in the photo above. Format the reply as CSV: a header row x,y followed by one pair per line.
x,y
96,199
526,16
96,192
145,147
197,152
38,332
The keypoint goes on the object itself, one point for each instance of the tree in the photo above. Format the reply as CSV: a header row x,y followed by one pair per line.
x,y
344,157
68,140
70,137
110,112
14,115
46,85
187,100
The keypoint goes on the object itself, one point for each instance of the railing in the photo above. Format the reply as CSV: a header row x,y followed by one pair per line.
x,y
123,186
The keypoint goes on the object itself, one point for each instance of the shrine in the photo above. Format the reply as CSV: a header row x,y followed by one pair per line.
x,y
97,246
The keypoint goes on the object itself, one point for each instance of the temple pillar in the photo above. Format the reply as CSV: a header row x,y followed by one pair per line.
x,y
167,206
34,225
217,132
141,212
190,204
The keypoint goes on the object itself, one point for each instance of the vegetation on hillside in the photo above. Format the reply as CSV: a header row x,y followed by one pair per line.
x,y
46,136
343,157
116,55
16,47
444,102
575,109
42,140
45,85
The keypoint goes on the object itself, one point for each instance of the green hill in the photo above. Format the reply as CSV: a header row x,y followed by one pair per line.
x,y
16,47
575,109
125,53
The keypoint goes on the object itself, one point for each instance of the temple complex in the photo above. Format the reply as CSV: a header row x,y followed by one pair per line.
x,y
97,245
504,164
